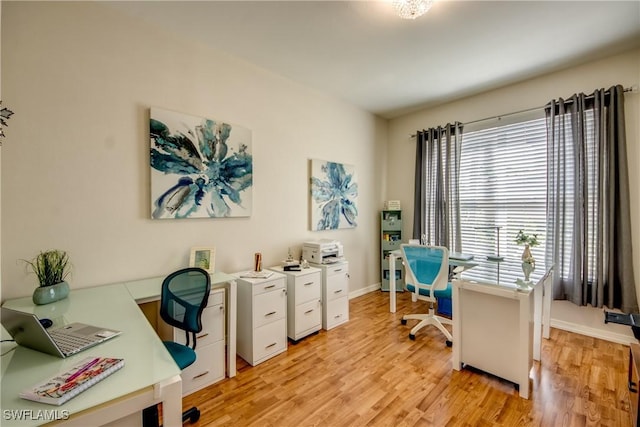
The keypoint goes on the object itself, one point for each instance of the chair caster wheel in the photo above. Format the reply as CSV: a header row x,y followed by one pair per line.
x,y
412,337
449,343
403,321
194,417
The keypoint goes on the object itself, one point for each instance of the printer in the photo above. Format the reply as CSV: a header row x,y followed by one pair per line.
x,y
323,251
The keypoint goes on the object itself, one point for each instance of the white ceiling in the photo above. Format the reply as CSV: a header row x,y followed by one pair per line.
x,y
361,52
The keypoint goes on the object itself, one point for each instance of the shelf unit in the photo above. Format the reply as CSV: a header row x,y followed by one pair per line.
x,y
390,240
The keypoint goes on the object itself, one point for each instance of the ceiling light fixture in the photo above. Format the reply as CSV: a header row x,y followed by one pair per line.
x,y
412,9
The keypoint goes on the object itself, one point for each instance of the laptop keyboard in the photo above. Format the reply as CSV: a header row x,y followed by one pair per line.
x,y
71,344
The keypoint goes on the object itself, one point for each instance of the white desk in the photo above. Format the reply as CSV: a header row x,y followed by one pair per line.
x,y
150,375
497,326
149,290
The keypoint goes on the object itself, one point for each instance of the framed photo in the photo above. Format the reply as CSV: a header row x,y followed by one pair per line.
x,y
204,258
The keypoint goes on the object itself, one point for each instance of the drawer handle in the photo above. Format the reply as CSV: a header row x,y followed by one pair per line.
x,y
309,283
200,375
270,314
308,311
203,335
270,286
632,387
338,270
338,291
337,316
271,345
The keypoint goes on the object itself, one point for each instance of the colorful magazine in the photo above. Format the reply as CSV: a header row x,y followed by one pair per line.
x,y
68,384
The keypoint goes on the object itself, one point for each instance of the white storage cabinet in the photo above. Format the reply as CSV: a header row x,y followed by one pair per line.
x,y
209,366
335,294
304,301
262,317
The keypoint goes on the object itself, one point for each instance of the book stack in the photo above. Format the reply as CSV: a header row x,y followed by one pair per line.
x,y
70,383
263,274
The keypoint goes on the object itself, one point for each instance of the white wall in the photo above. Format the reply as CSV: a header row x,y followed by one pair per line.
x,y
75,164
621,69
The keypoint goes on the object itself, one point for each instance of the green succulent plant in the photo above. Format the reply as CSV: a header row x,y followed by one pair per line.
x,y
527,239
51,267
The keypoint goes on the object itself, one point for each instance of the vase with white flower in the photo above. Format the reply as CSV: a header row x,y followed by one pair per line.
x,y
528,261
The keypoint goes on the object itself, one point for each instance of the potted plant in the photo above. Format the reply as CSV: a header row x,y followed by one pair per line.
x,y
51,267
528,261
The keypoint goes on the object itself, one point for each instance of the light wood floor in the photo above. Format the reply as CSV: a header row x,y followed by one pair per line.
x,y
368,373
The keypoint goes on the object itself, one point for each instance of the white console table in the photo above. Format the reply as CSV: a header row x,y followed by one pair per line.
x,y
497,325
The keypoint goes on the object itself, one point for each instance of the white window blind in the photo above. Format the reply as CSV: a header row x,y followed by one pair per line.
x,y
503,187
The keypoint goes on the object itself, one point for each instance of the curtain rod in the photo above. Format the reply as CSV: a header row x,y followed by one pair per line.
x,y
528,110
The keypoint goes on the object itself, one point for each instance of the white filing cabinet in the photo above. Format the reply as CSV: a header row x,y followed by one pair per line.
x,y
304,301
262,317
335,294
209,366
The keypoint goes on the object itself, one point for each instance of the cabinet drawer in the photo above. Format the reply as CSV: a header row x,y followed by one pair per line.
x,y
212,327
268,286
337,312
216,297
391,245
206,370
391,224
342,268
269,340
337,289
212,322
269,307
307,287
308,316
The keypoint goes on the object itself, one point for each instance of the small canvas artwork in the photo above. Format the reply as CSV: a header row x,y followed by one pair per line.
x,y
204,258
334,190
200,167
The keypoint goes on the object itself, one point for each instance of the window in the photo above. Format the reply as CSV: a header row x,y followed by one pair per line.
x,y
503,186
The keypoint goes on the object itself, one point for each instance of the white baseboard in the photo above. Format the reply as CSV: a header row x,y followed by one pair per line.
x,y
593,332
364,291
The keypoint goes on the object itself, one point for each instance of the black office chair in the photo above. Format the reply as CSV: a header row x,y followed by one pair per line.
x,y
185,294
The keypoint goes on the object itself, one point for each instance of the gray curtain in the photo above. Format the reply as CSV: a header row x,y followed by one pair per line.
x,y
589,226
436,218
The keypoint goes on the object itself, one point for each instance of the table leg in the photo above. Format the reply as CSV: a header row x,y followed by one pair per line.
x,y
232,329
547,287
537,320
392,283
171,394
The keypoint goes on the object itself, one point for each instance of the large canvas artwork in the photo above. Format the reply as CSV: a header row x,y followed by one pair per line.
x,y
200,168
334,191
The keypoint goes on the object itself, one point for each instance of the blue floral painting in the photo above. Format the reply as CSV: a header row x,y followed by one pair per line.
x,y
200,168
334,191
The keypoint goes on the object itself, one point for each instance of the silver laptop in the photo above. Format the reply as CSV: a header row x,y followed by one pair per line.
x,y
27,331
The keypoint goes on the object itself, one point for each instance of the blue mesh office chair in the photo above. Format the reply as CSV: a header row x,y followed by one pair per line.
x,y
427,277
185,294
